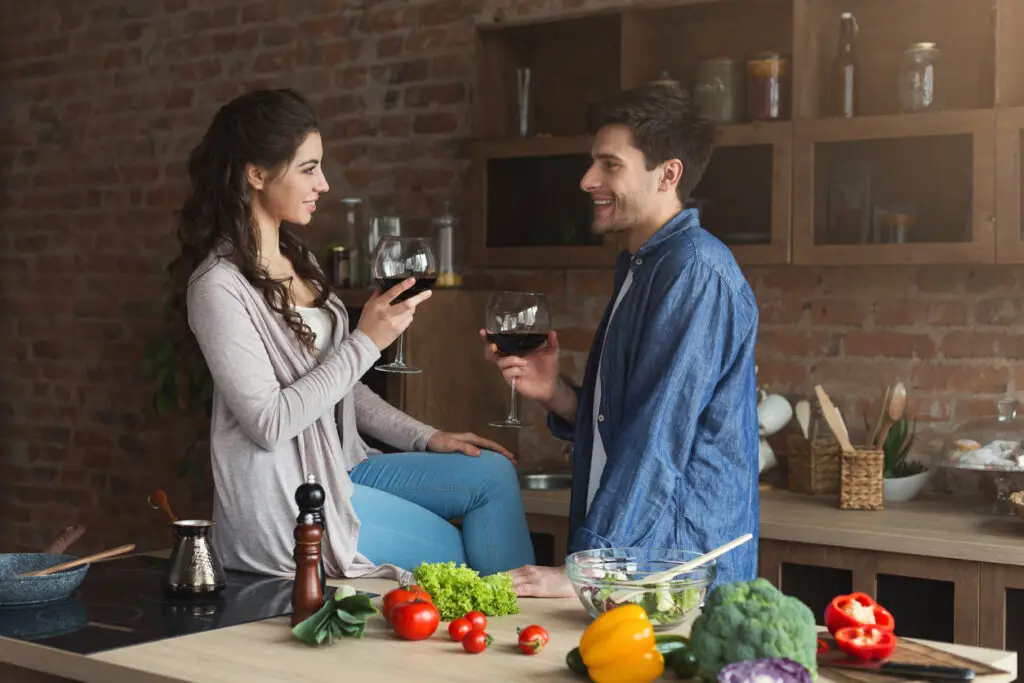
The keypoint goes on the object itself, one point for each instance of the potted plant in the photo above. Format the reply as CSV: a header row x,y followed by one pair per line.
x,y
902,479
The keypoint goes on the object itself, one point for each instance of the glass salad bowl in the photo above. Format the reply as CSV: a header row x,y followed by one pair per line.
x,y
606,578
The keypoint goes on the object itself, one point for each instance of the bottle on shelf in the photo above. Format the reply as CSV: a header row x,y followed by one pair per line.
x,y
356,264
444,226
845,81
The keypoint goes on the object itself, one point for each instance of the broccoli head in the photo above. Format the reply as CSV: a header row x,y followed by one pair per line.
x,y
747,620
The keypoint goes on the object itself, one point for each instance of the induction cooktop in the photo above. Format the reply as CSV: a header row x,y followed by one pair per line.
x,y
121,603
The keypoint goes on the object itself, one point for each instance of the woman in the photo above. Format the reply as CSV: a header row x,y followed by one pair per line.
x,y
287,397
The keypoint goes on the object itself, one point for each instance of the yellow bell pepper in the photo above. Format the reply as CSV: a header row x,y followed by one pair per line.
x,y
619,647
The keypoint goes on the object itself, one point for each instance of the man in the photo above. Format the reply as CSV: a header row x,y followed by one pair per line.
x,y
664,428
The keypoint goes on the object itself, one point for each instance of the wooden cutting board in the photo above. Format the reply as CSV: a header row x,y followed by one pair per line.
x,y
907,652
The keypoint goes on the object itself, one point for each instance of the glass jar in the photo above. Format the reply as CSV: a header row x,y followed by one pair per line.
x,y
768,80
444,227
718,89
991,445
917,78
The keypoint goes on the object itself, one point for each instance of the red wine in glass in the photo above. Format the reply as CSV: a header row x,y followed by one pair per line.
x,y
517,323
395,260
422,285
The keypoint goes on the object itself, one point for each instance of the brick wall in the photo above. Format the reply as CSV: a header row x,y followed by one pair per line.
x,y
101,102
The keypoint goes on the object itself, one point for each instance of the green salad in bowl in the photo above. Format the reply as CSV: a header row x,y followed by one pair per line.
x,y
606,578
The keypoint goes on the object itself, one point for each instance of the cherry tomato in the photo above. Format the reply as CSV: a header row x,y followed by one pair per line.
x,y
402,594
477,619
459,628
532,639
476,641
415,620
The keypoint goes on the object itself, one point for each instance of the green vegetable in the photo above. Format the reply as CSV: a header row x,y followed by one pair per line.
x,y
663,606
574,660
747,620
344,615
684,663
456,590
667,643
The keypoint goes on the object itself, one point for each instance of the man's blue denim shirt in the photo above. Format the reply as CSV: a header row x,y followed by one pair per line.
x,y
678,406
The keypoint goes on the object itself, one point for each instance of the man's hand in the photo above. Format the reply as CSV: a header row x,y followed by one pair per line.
x,y
467,443
541,582
535,374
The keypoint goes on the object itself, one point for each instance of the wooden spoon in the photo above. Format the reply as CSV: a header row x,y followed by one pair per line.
x,y
120,550
834,420
896,408
158,501
881,416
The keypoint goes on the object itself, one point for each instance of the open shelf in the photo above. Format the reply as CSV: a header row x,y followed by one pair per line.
x,y
962,30
676,39
573,63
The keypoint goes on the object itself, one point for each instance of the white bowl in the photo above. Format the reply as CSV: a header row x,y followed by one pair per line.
x,y
904,488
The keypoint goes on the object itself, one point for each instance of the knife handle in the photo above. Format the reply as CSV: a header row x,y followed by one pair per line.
x,y
927,671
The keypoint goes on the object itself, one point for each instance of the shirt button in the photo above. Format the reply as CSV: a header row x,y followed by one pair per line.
x,y
639,261
600,418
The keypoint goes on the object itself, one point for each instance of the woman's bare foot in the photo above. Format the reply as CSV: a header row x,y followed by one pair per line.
x,y
541,582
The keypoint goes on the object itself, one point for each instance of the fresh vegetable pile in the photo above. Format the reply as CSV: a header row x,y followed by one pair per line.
x,y
749,620
663,606
457,590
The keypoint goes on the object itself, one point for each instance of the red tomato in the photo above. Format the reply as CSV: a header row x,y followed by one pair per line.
x,y
476,641
477,619
459,628
532,639
402,594
415,620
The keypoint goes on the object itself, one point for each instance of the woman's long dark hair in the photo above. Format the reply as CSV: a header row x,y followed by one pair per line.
x,y
266,128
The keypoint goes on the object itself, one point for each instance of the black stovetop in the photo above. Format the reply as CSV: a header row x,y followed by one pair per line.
x,y
121,603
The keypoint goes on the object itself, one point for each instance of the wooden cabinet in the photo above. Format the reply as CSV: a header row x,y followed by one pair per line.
x,y
886,186
931,598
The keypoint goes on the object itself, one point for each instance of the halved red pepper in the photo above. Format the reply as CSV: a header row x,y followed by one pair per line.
x,y
857,609
822,646
866,642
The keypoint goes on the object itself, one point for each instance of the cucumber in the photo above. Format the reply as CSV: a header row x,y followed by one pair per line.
x,y
575,662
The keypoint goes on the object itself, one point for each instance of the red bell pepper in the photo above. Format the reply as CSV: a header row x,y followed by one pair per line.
x,y
857,609
822,646
866,642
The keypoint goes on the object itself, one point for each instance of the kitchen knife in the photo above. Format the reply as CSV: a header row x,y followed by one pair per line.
x,y
928,672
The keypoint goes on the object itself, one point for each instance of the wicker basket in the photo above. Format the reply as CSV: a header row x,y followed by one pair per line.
x,y
861,487
813,467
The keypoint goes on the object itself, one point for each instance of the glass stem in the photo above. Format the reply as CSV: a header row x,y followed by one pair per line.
x,y
400,351
513,407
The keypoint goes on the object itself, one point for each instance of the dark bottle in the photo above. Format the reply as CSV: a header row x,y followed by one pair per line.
x,y
845,81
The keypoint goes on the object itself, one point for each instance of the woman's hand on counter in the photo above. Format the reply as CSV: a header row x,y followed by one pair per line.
x,y
465,442
541,582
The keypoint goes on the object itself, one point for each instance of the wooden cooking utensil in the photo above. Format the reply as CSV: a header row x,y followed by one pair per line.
x,y
896,408
120,550
881,416
834,419
158,501
59,545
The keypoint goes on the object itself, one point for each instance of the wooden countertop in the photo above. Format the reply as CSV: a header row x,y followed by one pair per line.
x,y
266,651
931,527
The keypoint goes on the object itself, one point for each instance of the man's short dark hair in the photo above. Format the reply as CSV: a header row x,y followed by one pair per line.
x,y
665,126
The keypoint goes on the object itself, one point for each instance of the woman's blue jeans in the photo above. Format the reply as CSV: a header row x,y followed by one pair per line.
x,y
404,502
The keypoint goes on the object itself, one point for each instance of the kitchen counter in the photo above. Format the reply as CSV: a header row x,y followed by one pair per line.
x,y
928,527
266,651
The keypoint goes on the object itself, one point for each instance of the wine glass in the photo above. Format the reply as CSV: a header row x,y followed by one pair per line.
x,y
395,260
517,323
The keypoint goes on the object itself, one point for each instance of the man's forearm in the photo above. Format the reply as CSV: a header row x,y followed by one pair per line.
x,y
563,402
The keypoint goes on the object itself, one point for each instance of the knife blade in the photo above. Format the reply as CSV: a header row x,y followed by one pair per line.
x,y
929,672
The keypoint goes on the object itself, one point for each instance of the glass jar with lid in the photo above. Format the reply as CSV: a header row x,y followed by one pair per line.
x,y
992,445
918,78
768,92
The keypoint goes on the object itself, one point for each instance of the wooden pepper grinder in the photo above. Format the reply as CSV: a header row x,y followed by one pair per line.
x,y
310,498
307,590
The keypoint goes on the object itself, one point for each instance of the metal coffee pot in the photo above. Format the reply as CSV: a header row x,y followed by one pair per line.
x,y
193,568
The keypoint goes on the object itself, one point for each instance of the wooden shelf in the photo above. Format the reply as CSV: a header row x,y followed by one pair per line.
x,y
977,130
511,148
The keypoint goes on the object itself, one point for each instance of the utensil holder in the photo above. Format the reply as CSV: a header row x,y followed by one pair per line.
x,y
861,480
813,465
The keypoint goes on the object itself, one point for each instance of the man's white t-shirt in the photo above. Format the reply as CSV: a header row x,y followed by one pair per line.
x,y
600,457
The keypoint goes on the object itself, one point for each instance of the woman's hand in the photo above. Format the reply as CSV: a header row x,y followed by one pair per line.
x,y
466,442
382,320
